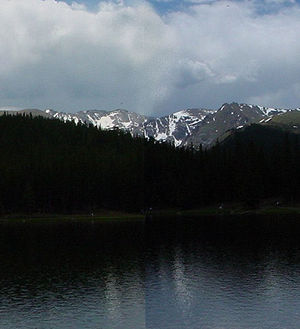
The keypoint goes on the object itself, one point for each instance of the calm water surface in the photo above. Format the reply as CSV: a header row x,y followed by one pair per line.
x,y
173,274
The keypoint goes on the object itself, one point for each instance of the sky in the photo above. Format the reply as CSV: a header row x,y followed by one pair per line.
x,y
152,57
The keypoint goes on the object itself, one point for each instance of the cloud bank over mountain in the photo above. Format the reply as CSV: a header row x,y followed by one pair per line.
x,y
127,55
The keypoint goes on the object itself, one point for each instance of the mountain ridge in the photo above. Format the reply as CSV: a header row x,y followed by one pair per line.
x,y
186,127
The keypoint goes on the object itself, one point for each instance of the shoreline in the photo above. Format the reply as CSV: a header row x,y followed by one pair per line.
x,y
106,216
237,210
71,218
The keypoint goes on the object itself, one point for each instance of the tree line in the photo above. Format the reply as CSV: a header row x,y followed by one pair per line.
x,y
48,166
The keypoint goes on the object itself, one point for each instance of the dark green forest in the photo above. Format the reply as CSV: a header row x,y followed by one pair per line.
x,y
48,166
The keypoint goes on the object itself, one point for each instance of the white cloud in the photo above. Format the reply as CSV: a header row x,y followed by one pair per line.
x,y
53,54
64,56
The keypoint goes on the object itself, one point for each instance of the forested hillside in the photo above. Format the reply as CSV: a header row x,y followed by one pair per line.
x,y
48,166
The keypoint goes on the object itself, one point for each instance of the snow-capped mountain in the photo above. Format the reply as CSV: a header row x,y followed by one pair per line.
x,y
182,128
175,128
122,119
172,128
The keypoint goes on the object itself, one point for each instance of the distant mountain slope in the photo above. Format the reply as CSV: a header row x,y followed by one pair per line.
x,y
34,112
267,131
182,128
289,121
266,136
230,116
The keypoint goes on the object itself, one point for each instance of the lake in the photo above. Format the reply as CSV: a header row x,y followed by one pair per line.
x,y
177,273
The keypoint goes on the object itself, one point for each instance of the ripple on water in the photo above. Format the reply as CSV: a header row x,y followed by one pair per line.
x,y
177,277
